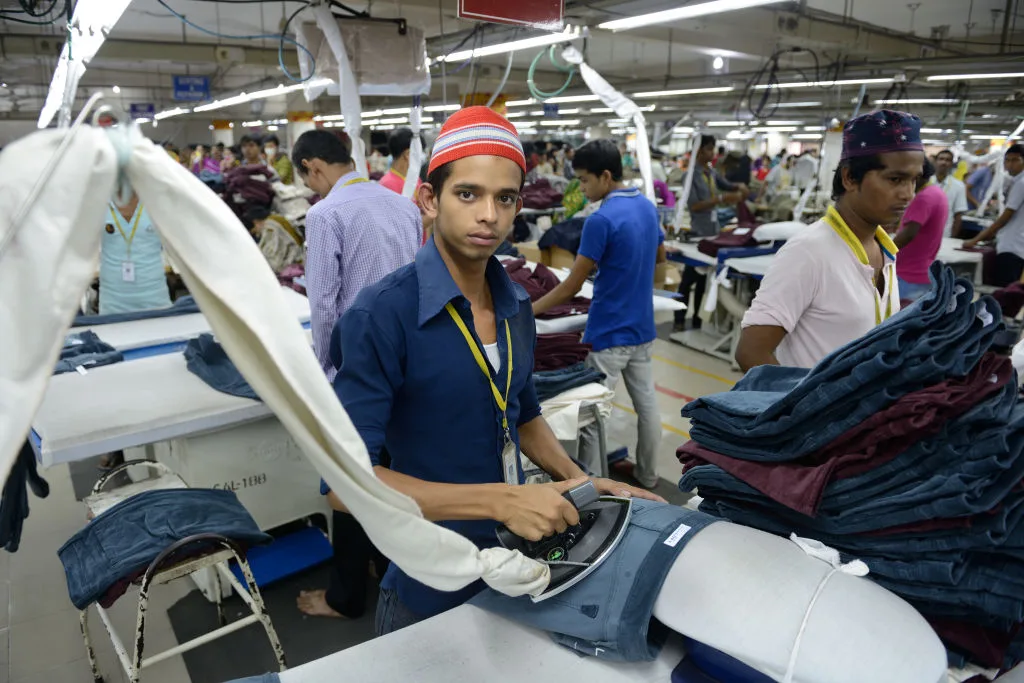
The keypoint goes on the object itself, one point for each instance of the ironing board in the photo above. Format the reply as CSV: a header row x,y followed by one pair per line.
x,y
156,333
469,644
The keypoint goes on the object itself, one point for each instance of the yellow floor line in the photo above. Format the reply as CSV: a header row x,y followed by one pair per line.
x,y
690,368
670,428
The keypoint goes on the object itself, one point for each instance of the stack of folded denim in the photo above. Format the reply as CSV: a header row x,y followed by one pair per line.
x,y
904,448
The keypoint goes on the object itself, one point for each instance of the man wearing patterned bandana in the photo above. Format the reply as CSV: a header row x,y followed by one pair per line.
x,y
837,280
437,365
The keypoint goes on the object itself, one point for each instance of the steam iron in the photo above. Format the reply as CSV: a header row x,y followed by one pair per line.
x,y
576,552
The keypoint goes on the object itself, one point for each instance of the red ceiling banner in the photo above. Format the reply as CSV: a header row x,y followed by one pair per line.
x,y
541,13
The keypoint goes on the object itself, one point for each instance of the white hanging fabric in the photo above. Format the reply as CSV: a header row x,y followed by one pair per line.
x,y
50,227
801,205
351,105
684,198
624,107
415,150
992,159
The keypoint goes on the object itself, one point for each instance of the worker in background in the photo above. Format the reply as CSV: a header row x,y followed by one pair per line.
x,y
978,183
437,365
805,169
955,190
250,150
920,235
278,160
779,179
623,241
399,144
132,276
279,241
1008,228
358,233
708,191
837,279
567,169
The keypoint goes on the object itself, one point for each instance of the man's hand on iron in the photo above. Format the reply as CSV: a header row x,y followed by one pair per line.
x,y
610,487
536,511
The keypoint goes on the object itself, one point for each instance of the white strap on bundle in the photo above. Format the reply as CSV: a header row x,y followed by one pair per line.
x,y
48,248
830,556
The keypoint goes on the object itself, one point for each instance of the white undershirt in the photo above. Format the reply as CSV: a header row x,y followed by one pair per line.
x,y
492,355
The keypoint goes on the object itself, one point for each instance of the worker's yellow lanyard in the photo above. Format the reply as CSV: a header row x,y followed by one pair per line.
x,y
360,179
712,188
836,222
509,452
127,266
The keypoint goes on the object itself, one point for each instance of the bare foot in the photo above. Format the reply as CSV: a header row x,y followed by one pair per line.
x,y
314,604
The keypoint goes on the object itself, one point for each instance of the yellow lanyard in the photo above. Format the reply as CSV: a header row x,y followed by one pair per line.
x,y
501,401
836,222
360,179
709,179
127,238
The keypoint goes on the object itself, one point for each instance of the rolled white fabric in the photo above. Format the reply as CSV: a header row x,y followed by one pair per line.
x,y
351,105
415,151
43,278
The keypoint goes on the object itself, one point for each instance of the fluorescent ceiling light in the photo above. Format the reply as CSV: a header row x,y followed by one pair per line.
x,y
814,128
609,110
974,77
936,130
538,112
329,117
562,122
399,120
784,105
400,110
570,33
994,137
569,111
679,13
517,114
806,136
690,91
774,129
824,84
142,120
178,111
90,24
520,103
572,98
242,98
724,124
443,107
924,100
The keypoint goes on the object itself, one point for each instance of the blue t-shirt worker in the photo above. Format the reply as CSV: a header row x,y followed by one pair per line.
x,y
437,365
624,241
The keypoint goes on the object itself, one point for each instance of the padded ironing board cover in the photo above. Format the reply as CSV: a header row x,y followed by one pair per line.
x,y
49,260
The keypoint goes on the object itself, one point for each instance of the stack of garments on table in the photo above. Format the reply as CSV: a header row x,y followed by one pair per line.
x,y
902,449
539,282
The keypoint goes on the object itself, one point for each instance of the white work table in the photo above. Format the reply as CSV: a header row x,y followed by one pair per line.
x,y
138,334
469,644
950,253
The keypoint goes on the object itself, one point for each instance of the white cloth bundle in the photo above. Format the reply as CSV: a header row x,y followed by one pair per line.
x,y
48,256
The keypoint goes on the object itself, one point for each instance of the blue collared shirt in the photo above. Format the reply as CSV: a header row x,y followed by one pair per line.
x,y
410,383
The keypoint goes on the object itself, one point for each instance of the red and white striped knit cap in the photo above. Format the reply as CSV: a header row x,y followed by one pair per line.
x,y
476,131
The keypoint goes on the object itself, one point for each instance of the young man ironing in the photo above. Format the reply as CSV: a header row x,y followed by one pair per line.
x,y
837,280
437,364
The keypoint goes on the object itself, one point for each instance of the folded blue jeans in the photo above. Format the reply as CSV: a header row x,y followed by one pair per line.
x,y
608,613
207,360
550,383
125,539
184,305
778,414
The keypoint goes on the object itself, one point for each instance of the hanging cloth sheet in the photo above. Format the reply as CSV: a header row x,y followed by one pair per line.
x,y
51,217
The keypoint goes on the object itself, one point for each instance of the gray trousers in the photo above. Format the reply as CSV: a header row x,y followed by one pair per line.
x,y
633,364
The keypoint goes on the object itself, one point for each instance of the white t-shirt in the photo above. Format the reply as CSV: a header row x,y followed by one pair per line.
x,y
821,294
1011,237
492,355
956,193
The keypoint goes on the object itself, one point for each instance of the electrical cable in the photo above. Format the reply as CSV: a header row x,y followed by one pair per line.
x,y
504,79
282,38
569,70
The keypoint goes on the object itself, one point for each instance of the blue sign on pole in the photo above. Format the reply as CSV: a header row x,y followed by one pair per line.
x,y
191,88
550,111
142,110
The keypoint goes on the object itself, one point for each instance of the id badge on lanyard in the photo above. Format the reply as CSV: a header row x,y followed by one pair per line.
x,y
509,450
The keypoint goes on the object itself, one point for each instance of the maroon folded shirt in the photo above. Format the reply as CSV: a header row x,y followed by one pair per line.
x,y
540,282
799,484
557,351
986,646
